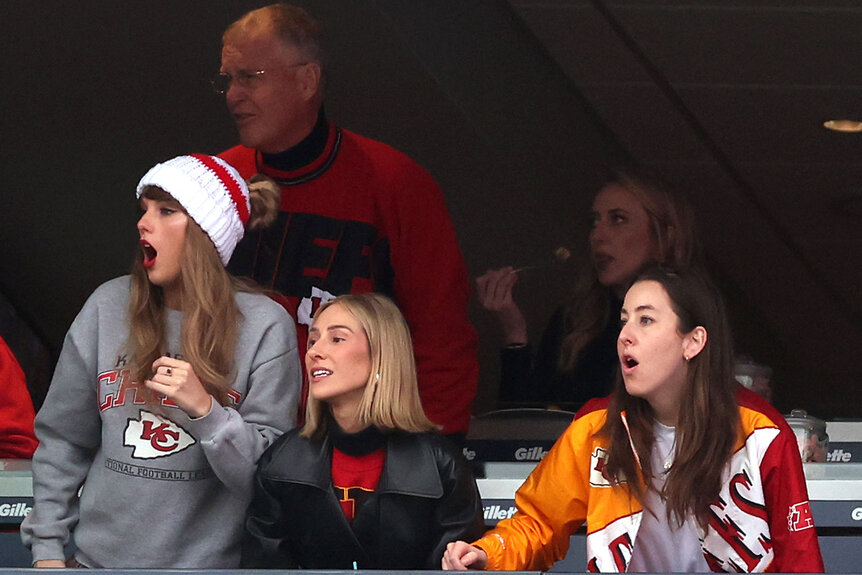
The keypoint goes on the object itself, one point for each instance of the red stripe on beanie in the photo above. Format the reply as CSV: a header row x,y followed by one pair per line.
x,y
229,182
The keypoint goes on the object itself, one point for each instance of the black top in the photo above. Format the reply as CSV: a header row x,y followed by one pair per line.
x,y
356,444
529,380
303,153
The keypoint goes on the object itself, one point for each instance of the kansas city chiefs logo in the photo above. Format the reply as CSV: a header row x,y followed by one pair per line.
x,y
598,473
152,436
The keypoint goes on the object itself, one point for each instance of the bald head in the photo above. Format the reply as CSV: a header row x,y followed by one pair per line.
x,y
292,25
272,57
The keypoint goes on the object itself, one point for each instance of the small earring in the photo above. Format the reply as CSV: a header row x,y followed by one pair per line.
x,y
377,376
687,359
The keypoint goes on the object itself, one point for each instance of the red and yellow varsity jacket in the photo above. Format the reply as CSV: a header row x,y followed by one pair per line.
x,y
761,520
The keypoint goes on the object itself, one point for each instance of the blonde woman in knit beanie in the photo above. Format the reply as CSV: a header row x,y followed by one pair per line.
x,y
171,384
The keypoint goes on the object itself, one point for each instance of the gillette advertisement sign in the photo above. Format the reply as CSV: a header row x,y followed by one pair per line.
x,y
524,450
13,510
844,452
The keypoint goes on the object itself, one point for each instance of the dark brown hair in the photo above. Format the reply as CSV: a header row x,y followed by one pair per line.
x,y
708,423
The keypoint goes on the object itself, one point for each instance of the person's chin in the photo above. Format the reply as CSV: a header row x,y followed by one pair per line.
x,y
248,139
609,280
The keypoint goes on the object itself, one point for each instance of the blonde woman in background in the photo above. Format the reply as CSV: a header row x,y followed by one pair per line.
x,y
636,219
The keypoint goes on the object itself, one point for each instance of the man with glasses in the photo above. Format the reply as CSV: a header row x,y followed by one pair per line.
x,y
356,215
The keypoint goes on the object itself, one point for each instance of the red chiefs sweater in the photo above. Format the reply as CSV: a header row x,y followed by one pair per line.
x,y
364,217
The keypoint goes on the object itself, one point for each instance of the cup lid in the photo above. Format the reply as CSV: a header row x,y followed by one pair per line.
x,y
800,418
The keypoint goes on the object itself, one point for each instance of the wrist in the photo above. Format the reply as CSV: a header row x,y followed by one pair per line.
x,y
49,564
203,409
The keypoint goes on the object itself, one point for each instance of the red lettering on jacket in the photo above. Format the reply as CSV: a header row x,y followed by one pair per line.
x,y
751,508
733,535
716,565
617,546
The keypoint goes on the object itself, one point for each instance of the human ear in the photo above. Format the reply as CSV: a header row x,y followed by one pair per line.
x,y
309,77
694,342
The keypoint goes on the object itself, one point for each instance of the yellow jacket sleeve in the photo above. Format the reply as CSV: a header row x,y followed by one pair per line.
x,y
552,504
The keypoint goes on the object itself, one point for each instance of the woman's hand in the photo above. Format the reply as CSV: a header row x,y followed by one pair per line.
x,y
460,555
176,380
494,290
50,564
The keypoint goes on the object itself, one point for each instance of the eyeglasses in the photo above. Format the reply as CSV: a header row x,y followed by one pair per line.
x,y
244,79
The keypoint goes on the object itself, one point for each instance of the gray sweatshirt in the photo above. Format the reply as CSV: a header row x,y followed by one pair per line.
x,y
145,486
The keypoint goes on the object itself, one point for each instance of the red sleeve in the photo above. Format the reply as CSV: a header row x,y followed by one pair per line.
x,y
594,404
432,289
17,440
791,524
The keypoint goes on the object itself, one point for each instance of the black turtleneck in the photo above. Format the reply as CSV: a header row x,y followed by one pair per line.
x,y
356,444
305,152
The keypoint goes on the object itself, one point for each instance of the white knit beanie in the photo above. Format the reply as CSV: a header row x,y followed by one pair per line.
x,y
211,191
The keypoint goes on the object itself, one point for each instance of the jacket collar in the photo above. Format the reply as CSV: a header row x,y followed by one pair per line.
x,y
410,467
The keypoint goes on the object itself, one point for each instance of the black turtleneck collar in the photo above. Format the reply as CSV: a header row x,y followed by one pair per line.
x,y
356,444
304,152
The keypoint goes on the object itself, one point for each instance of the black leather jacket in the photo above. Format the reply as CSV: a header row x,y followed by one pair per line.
x,y
426,497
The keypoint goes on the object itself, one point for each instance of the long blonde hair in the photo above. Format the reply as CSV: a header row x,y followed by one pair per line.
x,y
391,397
211,317
672,228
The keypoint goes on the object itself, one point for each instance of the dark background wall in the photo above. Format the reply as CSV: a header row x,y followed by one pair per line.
x,y
98,91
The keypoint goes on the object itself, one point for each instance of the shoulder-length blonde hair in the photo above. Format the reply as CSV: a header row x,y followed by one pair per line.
x,y
211,317
391,397
672,229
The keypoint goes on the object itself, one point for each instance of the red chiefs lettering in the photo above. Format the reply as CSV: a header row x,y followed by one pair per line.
x,y
113,387
742,522
116,388
740,483
621,551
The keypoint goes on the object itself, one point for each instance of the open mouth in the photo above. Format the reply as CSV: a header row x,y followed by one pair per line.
x,y
602,261
628,362
319,372
150,254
